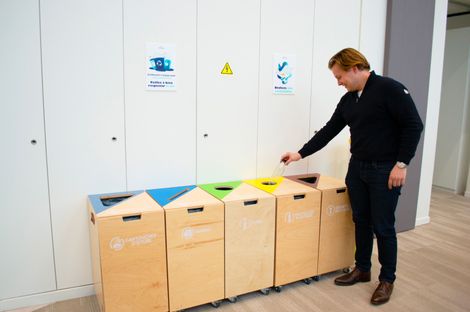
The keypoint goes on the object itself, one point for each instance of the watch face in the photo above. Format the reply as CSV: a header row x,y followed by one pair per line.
x,y
401,165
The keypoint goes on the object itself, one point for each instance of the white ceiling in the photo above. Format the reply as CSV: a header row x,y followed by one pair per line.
x,y
458,6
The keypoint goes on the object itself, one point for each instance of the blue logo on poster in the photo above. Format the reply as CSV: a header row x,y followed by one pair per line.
x,y
160,64
283,72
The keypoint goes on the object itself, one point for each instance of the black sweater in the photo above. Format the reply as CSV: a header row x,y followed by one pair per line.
x,y
384,123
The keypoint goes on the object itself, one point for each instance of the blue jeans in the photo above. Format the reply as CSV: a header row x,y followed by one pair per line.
x,y
373,206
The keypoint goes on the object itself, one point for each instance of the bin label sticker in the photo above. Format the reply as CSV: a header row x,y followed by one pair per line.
x,y
332,209
117,243
189,232
226,70
246,223
295,216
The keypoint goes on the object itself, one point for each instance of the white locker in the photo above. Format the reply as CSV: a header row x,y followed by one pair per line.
x,y
336,26
227,105
26,261
160,125
284,119
82,46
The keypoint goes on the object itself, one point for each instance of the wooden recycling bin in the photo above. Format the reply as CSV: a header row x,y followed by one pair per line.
x,y
337,242
249,237
195,246
297,229
127,234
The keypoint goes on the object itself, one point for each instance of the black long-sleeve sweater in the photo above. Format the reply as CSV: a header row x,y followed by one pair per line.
x,y
383,121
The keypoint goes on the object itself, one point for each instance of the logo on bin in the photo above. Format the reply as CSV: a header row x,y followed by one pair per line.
x,y
339,208
246,223
294,216
189,232
117,243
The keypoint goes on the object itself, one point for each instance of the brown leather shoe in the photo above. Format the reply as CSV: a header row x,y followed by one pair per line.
x,y
382,293
352,278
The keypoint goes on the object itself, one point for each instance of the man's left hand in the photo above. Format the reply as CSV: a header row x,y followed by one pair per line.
x,y
397,177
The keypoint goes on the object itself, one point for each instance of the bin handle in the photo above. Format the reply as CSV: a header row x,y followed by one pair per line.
x,y
250,202
131,218
342,190
299,196
193,210
92,218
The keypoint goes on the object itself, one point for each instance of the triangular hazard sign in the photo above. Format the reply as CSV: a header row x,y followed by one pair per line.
x,y
226,70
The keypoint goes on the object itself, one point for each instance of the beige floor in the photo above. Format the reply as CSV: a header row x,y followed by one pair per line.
x,y
433,274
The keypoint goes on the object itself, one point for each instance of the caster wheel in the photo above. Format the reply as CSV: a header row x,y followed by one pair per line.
x,y
215,304
316,278
233,299
265,291
346,270
307,281
278,289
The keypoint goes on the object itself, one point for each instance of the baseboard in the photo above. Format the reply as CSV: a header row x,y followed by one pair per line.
x,y
423,220
47,297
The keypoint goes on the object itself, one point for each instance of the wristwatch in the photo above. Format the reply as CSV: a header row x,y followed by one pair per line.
x,y
401,165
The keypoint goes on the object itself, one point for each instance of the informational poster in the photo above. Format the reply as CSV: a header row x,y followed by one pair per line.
x,y
284,74
161,70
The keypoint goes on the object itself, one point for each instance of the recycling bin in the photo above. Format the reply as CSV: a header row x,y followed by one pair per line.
x,y
127,235
195,245
297,229
337,242
249,237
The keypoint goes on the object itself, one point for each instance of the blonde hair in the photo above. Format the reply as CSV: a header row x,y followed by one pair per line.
x,y
348,58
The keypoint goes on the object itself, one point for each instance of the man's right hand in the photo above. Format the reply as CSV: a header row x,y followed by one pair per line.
x,y
289,157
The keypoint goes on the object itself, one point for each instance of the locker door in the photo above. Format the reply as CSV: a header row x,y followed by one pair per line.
x,y
284,119
27,263
336,26
160,125
227,105
83,98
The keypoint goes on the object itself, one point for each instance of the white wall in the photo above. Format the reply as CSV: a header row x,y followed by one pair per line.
x,y
98,130
432,112
453,139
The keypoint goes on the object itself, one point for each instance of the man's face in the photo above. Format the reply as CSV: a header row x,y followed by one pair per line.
x,y
346,78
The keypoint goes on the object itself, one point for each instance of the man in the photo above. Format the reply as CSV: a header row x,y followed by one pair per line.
x,y
385,130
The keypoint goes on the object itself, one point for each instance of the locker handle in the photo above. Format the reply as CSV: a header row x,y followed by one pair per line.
x,y
131,218
340,190
251,202
301,196
193,210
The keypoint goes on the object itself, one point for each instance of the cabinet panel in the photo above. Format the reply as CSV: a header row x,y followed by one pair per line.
x,y
227,105
27,263
83,98
330,36
160,125
284,119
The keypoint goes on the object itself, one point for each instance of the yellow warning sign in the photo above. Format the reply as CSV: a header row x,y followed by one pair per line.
x,y
226,70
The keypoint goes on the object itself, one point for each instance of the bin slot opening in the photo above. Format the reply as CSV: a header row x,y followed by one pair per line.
x,y
269,183
224,188
300,196
251,202
131,218
178,194
193,210
340,190
114,199
311,180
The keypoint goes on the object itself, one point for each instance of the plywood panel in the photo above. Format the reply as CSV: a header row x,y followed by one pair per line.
x,y
159,123
330,36
27,265
83,98
283,122
227,105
